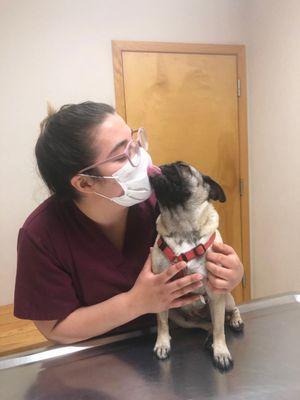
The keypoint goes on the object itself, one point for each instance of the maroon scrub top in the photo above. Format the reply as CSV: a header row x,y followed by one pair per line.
x,y
66,262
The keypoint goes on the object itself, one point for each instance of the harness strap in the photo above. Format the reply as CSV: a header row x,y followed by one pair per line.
x,y
196,252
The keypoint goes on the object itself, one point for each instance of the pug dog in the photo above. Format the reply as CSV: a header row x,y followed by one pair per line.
x,y
187,226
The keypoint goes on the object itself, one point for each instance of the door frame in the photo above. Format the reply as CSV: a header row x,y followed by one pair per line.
x,y
118,47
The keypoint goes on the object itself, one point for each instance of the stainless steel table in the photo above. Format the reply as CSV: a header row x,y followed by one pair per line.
x,y
266,356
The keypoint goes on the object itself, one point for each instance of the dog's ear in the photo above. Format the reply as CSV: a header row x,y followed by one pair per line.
x,y
215,190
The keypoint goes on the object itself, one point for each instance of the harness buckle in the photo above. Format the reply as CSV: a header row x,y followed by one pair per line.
x,y
196,251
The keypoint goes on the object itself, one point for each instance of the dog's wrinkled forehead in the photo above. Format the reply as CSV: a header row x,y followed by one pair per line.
x,y
176,184
179,184
180,171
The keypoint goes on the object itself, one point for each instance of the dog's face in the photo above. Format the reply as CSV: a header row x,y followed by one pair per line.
x,y
180,184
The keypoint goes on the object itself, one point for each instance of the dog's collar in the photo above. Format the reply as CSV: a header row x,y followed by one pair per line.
x,y
196,252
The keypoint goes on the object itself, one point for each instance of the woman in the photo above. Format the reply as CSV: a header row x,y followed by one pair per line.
x,y
83,254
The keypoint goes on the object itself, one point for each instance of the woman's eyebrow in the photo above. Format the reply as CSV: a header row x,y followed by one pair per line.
x,y
118,146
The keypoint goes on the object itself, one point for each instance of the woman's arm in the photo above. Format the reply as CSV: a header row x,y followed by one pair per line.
x,y
86,322
151,293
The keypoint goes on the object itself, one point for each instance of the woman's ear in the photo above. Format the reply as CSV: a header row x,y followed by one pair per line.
x,y
83,184
215,190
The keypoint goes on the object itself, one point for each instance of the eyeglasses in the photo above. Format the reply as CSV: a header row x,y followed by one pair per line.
x,y
131,152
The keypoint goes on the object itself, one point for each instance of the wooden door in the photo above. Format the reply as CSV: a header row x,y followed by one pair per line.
x,y
187,97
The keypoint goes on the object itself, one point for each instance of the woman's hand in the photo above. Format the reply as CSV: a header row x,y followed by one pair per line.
x,y
154,293
225,270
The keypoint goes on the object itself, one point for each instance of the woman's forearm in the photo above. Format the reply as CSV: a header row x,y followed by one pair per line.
x,y
87,322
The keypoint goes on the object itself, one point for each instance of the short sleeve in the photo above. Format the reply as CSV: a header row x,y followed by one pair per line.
x,y
44,289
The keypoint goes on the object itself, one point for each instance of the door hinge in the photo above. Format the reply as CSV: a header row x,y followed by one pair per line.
x,y
241,187
244,281
239,87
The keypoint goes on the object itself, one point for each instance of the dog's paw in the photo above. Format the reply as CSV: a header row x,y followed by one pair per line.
x,y
162,347
236,323
223,361
237,326
162,351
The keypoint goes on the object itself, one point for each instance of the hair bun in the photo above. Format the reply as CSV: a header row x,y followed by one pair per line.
x,y
50,109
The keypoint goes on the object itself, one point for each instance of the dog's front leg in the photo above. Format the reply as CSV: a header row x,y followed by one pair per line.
x,y
221,354
162,346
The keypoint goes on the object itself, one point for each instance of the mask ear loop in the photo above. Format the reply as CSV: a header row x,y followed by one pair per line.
x,y
103,195
97,177
106,177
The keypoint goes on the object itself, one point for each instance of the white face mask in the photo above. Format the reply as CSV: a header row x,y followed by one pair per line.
x,y
134,182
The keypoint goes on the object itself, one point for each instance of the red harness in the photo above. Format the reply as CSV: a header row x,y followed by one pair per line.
x,y
196,252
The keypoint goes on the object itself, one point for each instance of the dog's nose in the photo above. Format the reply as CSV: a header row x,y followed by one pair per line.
x,y
153,170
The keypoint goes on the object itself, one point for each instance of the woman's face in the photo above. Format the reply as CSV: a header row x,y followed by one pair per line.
x,y
112,137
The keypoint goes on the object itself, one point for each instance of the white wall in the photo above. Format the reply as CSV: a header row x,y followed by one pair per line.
x,y
60,50
273,53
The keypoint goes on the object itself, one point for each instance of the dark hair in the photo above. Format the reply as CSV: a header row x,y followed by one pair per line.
x,y
66,144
